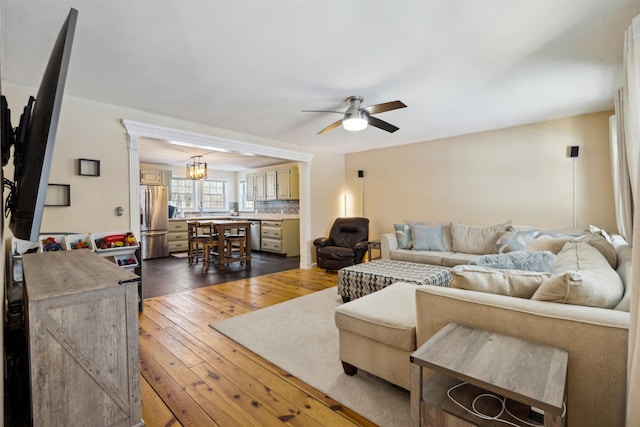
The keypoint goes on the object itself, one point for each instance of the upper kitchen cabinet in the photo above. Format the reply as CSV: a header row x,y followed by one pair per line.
x,y
155,177
256,186
274,184
288,184
151,177
271,183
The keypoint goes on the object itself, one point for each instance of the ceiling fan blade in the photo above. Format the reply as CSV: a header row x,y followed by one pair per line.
x,y
381,124
386,106
332,126
321,111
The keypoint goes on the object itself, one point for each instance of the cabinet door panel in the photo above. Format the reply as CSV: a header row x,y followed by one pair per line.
x,y
271,185
151,177
260,187
284,184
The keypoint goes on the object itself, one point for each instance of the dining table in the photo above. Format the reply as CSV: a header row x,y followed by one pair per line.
x,y
222,229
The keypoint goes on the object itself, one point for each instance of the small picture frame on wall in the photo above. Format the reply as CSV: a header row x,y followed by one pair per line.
x,y
58,195
88,167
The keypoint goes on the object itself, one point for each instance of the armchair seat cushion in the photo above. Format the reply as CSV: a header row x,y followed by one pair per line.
x,y
335,252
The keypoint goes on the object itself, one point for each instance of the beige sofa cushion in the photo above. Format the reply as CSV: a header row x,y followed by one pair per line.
x,y
455,258
583,277
387,316
424,257
476,240
515,283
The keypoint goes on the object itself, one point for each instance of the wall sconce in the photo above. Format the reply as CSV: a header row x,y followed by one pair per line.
x,y
197,169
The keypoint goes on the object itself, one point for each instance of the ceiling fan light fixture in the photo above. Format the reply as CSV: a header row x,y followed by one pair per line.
x,y
197,169
355,120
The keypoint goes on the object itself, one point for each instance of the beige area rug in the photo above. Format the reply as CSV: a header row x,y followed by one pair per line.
x,y
300,337
180,254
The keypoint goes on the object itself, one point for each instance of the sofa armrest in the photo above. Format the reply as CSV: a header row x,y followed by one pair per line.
x,y
595,338
360,249
323,241
388,243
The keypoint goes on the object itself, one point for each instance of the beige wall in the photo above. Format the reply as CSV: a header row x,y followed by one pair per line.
x,y
93,130
521,173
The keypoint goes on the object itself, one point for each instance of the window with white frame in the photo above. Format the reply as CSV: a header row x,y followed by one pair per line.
x,y
203,195
214,194
183,193
244,204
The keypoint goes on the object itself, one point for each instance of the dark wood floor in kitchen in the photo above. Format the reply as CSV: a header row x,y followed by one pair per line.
x,y
173,274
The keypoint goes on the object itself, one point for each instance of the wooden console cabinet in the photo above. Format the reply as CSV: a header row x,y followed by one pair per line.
x,y
82,328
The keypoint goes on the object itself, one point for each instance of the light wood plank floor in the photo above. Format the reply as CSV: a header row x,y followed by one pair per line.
x,y
191,375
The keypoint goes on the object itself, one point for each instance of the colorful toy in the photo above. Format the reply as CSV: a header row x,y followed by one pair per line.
x,y
50,245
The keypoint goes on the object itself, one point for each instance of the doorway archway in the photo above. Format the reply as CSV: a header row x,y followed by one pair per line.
x,y
137,130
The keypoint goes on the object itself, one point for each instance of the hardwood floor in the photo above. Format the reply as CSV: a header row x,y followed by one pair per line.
x,y
169,275
191,375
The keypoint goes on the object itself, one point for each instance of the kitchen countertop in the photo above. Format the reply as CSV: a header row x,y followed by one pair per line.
x,y
241,216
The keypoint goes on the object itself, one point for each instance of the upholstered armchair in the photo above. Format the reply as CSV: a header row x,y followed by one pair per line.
x,y
346,245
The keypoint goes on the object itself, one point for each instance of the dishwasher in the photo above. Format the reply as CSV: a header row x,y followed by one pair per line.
x,y
255,235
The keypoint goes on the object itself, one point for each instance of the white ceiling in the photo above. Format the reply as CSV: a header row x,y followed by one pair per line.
x,y
461,66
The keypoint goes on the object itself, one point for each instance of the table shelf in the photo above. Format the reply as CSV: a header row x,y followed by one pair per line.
x,y
522,371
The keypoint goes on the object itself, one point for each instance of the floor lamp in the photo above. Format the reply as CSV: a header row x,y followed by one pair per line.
x,y
572,152
361,176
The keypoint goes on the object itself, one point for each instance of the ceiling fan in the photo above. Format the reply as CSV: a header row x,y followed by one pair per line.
x,y
357,118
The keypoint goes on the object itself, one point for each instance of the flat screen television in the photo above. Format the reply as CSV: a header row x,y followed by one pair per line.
x,y
34,140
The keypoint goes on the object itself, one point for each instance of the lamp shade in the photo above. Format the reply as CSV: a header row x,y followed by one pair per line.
x,y
197,169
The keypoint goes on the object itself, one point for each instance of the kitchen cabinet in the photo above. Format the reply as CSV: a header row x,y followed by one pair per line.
x,y
151,177
288,184
155,177
271,184
256,186
178,236
82,329
282,184
166,178
281,237
274,184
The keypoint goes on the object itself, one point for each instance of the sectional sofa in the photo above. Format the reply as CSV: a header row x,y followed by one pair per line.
x,y
378,332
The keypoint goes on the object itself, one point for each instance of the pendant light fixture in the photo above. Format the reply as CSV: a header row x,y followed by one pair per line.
x,y
197,169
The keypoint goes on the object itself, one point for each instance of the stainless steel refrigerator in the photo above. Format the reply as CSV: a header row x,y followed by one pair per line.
x,y
154,221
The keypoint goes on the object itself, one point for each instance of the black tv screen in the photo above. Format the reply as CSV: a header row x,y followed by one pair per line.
x,y
33,155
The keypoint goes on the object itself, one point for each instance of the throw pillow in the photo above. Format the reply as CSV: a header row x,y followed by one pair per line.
x,y
594,229
519,260
403,235
426,238
548,243
476,240
599,241
514,283
512,240
583,277
446,237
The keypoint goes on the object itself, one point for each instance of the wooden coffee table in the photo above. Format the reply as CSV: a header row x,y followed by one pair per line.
x,y
526,373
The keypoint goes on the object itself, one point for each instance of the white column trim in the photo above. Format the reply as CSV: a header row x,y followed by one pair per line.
x,y
137,130
305,213
134,183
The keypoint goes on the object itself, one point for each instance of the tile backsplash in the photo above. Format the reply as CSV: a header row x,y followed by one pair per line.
x,y
289,207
